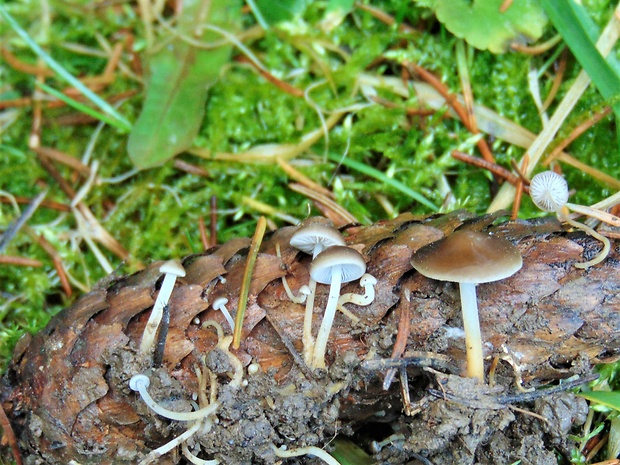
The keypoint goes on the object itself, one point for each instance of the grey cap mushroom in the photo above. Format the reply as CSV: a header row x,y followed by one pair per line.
x,y
312,239
469,258
333,266
172,269
316,237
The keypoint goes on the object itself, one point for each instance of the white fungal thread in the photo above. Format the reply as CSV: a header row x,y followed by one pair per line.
x,y
549,191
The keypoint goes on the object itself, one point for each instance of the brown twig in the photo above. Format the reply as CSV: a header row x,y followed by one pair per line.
x,y
505,5
536,49
402,336
204,236
58,265
492,167
190,168
329,208
453,102
279,83
45,203
303,179
63,158
557,80
575,133
384,17
17,64
19,261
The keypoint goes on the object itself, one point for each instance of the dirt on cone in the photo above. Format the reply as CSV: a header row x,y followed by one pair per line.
x,y
67,389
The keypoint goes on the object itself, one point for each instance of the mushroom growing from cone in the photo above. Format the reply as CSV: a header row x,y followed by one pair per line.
x,y
333,266
469,258
172,270
549,192
312,239
220,304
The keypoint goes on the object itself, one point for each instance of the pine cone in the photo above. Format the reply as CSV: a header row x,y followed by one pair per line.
x,y
67,389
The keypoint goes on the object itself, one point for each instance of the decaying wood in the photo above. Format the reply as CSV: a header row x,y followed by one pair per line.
x,y
66,391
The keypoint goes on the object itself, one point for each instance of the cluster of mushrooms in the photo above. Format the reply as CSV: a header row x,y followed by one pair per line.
x,y
465,257
332,263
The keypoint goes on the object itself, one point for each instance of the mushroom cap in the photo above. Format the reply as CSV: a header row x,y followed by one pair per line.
x,y
307,237
549,191
468,257
173,267
350,261
219,302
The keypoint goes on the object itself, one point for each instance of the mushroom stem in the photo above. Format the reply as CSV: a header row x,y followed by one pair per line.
x,y
368,283
602,255
318,357
473,338
220,304
141,382
148,337
307,339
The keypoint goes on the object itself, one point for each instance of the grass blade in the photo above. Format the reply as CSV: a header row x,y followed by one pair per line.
x,y
380,176
578,31
64,74
81,107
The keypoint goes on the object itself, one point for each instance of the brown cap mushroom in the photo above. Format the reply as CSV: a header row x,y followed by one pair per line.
x,y
469,258
334,266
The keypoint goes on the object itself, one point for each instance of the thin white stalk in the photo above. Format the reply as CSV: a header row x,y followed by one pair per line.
x,y
471,324
318,357
150,330
171,445
141,382
309,450
307,339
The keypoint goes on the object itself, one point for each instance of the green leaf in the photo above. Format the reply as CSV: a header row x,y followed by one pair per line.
x,y
483,26
609,399
180,77
580,34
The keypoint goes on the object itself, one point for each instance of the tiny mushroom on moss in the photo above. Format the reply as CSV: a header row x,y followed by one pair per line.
x,y
549,192
469,258
333,266
172,270
312,239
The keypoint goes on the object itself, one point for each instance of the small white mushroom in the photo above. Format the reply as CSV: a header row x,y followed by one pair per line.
x,y
368,282
316,237
334,266
220,304
140,382
549,192
172,269
313,238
